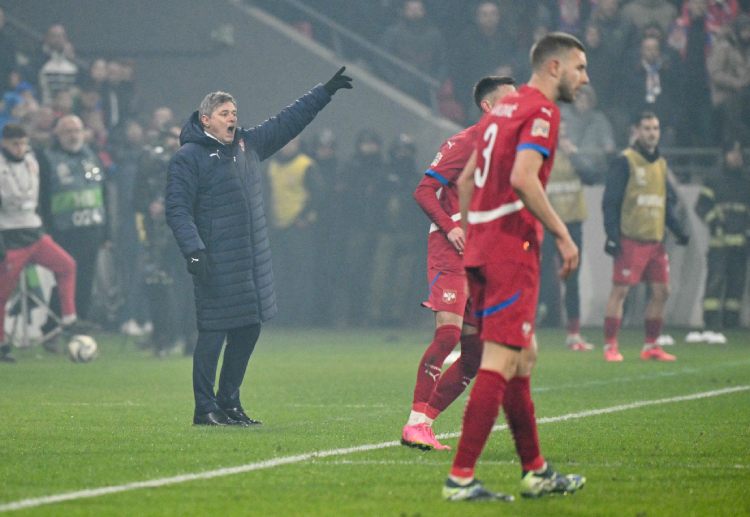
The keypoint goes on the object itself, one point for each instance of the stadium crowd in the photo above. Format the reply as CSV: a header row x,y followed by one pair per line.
x,y
352,209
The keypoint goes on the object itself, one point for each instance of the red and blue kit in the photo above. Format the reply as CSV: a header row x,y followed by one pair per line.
x,y
504,239
641,262
437,195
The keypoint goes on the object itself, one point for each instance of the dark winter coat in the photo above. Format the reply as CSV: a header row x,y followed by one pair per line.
x,y
214,203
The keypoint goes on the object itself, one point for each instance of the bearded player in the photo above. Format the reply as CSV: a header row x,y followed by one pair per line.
x,y
437,195
514,155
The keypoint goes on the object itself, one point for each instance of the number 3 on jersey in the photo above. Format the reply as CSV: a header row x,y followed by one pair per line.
x,y
489,136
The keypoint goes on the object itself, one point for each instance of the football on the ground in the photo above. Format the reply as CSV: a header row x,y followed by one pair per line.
x,y
82,349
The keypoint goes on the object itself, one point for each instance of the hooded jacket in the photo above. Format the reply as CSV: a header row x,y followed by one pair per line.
x,y
214,202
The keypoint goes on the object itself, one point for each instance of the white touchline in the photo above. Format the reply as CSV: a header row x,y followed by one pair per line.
x,y
288,460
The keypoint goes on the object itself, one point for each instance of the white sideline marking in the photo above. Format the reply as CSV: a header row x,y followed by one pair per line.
x,y
447,461
288,460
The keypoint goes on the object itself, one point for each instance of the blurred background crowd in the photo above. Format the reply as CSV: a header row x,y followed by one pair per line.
x,y
641,53
686,60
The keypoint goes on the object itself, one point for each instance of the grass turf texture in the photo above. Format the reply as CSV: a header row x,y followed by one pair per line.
x,y
126,417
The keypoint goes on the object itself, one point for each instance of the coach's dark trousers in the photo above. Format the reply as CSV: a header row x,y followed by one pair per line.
x,y
240,344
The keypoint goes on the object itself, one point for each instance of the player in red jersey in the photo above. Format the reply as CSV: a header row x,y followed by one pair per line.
x,y
437,194
514,154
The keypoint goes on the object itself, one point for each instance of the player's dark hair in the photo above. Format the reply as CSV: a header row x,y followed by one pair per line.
x,y
488,84
645,115
12,130
551,44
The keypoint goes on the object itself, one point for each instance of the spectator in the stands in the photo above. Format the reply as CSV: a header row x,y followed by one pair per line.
x,y
8,53
642,13
416,41
607,37
162,118
63,103
590,133
294,185
651,83
118,93
729,70
40,126
26,93
692,36
480,49
359,198
328,246
570,16
127,148
55,64
702,21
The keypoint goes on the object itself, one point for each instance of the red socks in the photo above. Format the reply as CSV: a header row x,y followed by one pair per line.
x,y
611,328
455,379
479,417
519,411
431,364
653,330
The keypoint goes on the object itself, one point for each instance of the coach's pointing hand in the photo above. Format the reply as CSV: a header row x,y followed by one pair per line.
x,y
338,81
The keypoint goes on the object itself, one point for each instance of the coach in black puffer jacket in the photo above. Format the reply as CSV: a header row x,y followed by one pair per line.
x,y
215,209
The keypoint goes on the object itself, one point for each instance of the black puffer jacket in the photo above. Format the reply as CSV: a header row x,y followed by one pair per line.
x,y
214,202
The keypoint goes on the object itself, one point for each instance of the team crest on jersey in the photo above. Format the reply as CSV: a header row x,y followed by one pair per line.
x,y
540,127
438,157
242,145
449,296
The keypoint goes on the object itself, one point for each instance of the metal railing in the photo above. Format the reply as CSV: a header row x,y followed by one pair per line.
x,y
376,59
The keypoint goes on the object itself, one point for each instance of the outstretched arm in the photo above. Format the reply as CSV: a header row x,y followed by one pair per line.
x,y
276,132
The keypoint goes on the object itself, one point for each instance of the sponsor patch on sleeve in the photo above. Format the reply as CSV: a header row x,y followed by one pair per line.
x,y
540,127
438,157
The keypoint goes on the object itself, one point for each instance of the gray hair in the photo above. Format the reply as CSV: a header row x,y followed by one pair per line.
x,y
213,100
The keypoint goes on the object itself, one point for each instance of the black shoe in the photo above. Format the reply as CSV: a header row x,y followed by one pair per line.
x,y
217,417
5,356
80,327
238,414
52,345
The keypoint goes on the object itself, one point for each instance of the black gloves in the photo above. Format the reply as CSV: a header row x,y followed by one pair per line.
x,y
197,264
612,247
682,240
338,81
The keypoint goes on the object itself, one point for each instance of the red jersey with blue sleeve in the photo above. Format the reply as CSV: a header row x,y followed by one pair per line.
x,y
437,195
499,227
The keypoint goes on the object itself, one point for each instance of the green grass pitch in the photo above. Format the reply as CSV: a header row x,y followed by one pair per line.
x,y
125,419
